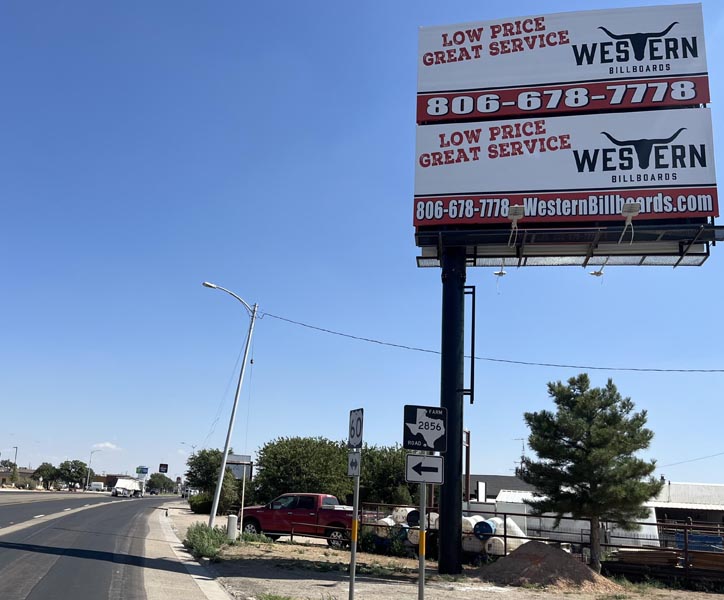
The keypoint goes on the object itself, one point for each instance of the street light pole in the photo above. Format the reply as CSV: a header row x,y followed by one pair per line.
x,y
90,458
252,311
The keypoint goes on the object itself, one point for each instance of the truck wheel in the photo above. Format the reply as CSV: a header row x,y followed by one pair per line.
x,y
337,538
251,526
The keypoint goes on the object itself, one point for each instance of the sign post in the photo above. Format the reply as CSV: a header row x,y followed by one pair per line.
x,y
425,430
422,548
423,469
354,464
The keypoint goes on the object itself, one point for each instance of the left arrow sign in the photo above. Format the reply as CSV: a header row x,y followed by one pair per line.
x,y
421,468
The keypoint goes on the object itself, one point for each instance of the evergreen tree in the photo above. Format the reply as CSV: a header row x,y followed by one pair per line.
x,y
587,465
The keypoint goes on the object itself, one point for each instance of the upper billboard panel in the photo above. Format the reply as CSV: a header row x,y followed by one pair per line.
x,y
594,61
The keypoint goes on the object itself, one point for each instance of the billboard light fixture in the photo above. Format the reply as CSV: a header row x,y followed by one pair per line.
x,y
599,272
515,213
629,210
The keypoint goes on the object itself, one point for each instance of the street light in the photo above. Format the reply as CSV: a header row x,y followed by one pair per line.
x,y
193,447
252,313
90,458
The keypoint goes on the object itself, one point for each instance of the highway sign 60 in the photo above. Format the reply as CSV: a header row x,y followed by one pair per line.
x,y
356,420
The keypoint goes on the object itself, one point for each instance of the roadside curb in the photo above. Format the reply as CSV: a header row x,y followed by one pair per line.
x,y
200,570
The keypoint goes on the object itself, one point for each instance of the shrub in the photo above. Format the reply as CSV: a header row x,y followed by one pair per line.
x,y
367,540
201,503
202,540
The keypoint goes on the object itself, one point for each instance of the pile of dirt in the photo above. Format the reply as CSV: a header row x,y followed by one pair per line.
x,y
538,564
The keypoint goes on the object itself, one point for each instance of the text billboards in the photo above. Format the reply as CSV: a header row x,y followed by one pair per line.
x,y
603,60
566,169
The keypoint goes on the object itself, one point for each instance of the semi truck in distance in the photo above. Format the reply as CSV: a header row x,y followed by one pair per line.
x,y
128,487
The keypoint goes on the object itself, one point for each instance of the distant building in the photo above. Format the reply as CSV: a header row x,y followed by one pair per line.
x,y
678,501
490,486
698,502
23,473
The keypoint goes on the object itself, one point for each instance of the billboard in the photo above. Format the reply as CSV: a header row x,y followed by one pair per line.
x,y
600,60
567,168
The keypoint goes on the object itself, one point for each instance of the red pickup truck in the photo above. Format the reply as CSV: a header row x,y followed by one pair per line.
x,y
301,514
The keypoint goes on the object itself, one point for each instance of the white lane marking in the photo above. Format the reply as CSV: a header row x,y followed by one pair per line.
x,y
67,509
38,516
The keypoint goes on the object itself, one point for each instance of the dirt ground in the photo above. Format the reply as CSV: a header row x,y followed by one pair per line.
x,y
314,572
308,570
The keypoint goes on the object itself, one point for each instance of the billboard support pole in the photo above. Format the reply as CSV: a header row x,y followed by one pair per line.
x,y
452,383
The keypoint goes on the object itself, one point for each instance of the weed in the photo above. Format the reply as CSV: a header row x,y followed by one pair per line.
x,y
532,586
445,577
256,537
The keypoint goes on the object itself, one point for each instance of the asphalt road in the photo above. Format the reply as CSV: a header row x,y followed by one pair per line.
x,y
18,507
96,553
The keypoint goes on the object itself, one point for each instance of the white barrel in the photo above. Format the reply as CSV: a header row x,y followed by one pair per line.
x,y
472,544
400,514
413,535
469,523
383,527
510,528
497,522
495,546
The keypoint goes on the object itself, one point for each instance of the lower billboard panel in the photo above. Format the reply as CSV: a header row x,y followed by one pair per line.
x,y
561,207
567,169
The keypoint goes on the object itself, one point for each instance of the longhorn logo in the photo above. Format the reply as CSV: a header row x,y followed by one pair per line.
x,y
638,41
643,147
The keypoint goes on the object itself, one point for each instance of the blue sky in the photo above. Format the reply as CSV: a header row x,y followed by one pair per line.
x,y
269,148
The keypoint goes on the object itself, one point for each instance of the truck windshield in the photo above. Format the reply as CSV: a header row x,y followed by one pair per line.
x,y
330,501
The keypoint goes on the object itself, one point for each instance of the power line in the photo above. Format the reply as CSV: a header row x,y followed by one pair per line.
x,y
690,460
491,359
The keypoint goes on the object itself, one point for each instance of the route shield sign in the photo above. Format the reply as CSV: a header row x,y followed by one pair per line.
x,y
425,428
356,420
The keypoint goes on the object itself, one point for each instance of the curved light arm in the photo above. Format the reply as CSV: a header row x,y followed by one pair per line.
x,y
213,286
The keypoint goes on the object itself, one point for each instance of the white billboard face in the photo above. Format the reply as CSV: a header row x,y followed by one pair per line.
x,y
562,63
573,168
